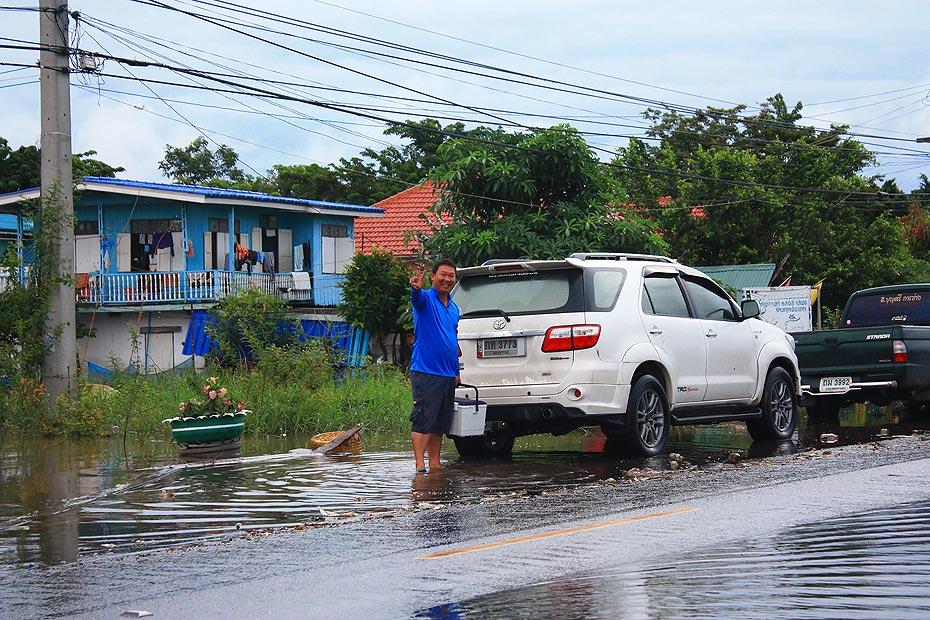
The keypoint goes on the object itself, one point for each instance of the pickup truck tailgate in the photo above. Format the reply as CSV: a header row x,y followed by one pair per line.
x,y
846,351
866,355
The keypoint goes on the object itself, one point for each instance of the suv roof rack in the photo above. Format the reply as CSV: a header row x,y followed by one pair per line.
x,y
620,256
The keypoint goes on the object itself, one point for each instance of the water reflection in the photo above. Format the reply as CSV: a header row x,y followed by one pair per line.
x,y
60,499
872,565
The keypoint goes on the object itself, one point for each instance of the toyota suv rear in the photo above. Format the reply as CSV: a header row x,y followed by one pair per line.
x,y
631,343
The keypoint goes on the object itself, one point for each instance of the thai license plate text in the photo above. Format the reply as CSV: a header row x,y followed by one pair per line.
x,y
835,384
501,347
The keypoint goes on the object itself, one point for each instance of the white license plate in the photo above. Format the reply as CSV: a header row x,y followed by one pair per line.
x,y
835,384
501,347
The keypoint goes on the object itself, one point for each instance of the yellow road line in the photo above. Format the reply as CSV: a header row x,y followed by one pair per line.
x,y
571,530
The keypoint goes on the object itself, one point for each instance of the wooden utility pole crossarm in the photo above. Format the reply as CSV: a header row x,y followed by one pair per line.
x,y
57,203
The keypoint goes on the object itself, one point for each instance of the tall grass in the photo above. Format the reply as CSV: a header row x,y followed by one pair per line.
x,y
291,393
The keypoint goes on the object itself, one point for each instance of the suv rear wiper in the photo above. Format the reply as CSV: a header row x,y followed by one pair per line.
x,y
487,312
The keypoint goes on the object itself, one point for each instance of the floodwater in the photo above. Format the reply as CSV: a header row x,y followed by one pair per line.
x,y
65,499
871,565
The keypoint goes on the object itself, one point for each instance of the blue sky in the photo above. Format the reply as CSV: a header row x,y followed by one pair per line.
x,y
849,62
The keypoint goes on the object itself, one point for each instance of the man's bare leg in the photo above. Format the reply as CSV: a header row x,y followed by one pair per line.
x,y
420,443
433,447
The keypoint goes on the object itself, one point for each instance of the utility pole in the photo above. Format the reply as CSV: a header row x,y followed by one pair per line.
x,y
56,211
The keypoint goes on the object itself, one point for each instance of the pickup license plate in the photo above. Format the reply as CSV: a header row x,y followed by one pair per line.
x,y
501,347
835,384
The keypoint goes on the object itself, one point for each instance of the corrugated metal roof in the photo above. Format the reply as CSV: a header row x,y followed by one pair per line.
x,y
228,194
214,193
8,223
741,276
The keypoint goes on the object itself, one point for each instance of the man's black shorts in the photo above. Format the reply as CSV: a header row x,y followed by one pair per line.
x,y
433,401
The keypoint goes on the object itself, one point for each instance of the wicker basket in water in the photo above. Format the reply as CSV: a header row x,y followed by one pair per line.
x,y
352,444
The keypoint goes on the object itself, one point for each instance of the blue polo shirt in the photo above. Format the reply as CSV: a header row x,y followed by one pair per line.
x,y
435,334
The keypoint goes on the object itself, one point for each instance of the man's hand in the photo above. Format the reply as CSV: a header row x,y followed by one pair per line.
x,y
416,281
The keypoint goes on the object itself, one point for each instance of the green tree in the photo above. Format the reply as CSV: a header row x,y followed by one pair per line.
x,y
197,164
539,194
376,295
311,181
725,187
248,322
20,168
376,175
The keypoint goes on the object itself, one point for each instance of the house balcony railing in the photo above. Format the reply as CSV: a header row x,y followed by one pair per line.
x,y
183,287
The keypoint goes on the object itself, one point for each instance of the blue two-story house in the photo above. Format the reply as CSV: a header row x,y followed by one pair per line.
x,y
152,258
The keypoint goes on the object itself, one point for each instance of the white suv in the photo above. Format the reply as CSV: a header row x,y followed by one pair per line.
x,y
627,342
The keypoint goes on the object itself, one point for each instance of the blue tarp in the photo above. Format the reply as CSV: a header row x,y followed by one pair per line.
x,y
351,341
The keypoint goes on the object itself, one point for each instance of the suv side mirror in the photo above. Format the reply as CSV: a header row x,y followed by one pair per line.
x,y
750,308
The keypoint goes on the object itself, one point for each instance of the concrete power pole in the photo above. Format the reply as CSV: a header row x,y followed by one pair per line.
x,y
56,214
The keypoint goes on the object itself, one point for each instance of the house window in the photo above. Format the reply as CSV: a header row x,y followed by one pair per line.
x,y
147,237
338,248
221,224
86,228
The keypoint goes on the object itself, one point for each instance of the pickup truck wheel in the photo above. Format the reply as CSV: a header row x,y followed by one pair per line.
x,y
647,417
498,444
779,408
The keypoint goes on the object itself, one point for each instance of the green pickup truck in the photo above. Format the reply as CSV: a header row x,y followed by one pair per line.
x,y
880,353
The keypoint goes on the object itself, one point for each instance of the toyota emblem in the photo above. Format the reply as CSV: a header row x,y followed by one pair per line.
x,y
499,324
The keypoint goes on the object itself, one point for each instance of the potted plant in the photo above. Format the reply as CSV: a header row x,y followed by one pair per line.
x,y
214,418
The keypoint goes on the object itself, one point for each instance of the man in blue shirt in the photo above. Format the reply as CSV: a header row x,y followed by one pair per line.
x,y
434,364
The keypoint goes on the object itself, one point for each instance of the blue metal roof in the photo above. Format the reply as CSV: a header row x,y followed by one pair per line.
x,y
227,194
218,193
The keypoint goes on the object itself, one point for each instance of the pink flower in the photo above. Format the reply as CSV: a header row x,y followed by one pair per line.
x,y
212,394
240,407
222,392
183,407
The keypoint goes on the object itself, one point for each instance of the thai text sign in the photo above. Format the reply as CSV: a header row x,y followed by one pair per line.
x,y
788,307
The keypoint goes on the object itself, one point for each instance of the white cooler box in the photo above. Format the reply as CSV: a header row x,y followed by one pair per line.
x,y
468,415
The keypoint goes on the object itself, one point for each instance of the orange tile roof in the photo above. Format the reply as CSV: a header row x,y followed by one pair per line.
x,y
401,214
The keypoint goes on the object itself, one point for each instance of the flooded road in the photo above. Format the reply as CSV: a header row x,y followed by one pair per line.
x,y
562,530
65,499
869,565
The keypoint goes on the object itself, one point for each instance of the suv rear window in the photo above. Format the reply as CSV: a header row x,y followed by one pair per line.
x,y
890,307
541,292
544,291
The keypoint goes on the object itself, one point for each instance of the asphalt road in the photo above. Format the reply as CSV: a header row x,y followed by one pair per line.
x,y
395,567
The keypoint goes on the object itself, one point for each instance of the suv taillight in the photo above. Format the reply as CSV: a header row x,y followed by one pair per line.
x,y
571,338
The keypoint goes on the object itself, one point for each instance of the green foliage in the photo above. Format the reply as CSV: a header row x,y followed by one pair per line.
x,y
20,168
375,294
313,182
196,164
540,194
248,321
731,188
376,175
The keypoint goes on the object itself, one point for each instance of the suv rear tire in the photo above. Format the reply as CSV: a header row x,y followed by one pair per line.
x,y
647,419
779,408
494,444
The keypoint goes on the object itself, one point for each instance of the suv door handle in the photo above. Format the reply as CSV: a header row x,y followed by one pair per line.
x,y
711,334
655,331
